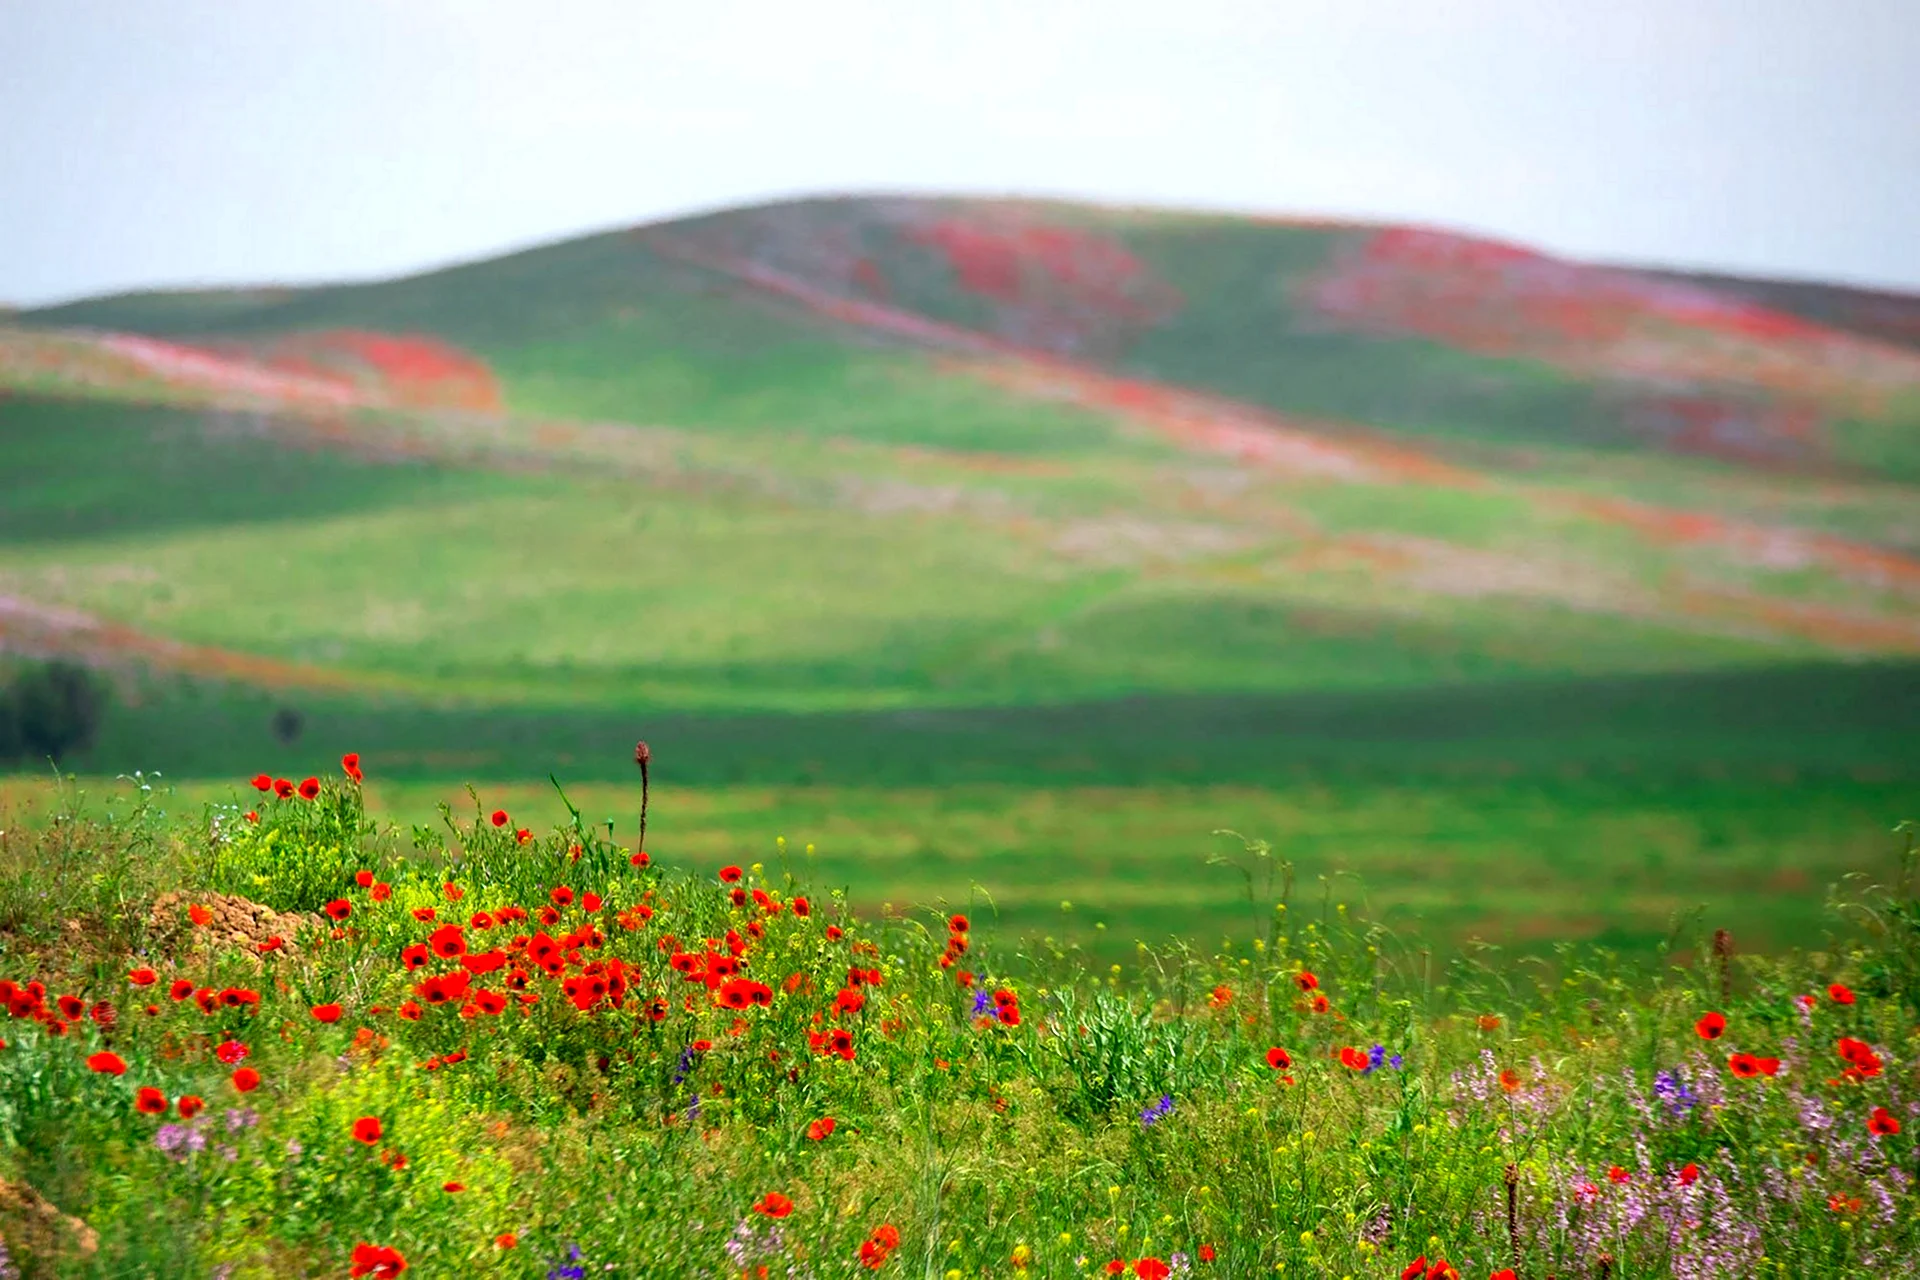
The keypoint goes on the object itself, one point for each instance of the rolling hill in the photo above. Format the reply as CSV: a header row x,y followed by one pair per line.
x,y
873,494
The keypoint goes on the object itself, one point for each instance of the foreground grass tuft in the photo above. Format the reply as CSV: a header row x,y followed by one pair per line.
x,y
288,1041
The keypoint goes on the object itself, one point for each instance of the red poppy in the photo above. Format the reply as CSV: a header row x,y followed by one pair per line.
x,y
1711,1026
108,1063
381,891
1768,1066
499,817
1279,1059
1617,1174
640,859
1503,1274
231,1051
833,933
377,1261
1206,1253
1510,1080
367,1129
506,1240
150,1101
1689,1174
191,1105
1744,1065
820,1128
454,1188
309,788
1150,1269
143,977
199,915
363,878
801,907
729,875
1321,1004
1116,1268
590,902
261,782
523,835
561,896
1222,996
283,788
1839,994
957,924
251,815
773,1205
1305,980
275,943
350,765
448,942
246,1079
71,1007
339,909
180,989
1882,1123
410,1010
452,892
1353,1059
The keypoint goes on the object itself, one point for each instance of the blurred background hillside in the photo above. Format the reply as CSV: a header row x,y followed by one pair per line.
x,y
1006,548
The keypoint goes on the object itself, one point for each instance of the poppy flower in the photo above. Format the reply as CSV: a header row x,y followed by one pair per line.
x,y
1116,1268
261,782
1617,1174
1151,1269
1768,1066
367,1129
523,835
802,908
251,815
381,891
283,788
1206,1253
71,1007
363,878
1321,1004
108,1063
1510,1080
505,1240
376,1262
246,1079
1744,1065
1353,1059
231,1051
143,977
339,909
309,788
1305,980
150,1101
1689,1174
820,1128
773,1205
1279,1059
1416,1269
350,765
1711,1026
1503,1274
448,942
275,943
499,817
1220,998
191,1105
590,902
561,896
453,1188
452,892
957,924
326,1012
199,915
1882,1123
1839,994
833,933
730,875
410,1010
640,859
180,989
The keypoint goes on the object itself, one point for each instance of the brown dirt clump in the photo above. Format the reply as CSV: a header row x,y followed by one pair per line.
x,y
233,922
33,1226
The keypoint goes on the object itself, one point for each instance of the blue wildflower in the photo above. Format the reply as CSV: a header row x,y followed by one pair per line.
x,y
1157,1111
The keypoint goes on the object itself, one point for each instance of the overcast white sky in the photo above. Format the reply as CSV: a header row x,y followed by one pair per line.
x,y
147,142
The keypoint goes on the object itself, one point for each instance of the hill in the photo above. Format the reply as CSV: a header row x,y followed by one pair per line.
x,y
925,484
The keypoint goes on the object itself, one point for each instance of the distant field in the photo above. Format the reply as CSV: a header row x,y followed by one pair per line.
x,y
1022,544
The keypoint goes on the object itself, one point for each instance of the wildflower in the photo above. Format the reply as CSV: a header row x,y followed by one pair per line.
x,y
1116,1268
380,1262
1882,1123
1488,1022
1222,996
820,1128
1616,1174
1206,1253
367,1129
1744,1065
1711,1026
1510,1080
363,878
523,835
1279,1059
448,942
1157,1112
339,909
1839,994
108,1063
1768,1066
1022,1256
200,916
1673,1091
1150,1269
178,1141
326,1012
246,1079
452,892
730,875
283,788
1503,1274
310,788
505,1240
1689,1174
231,1051
499,817
150,1101
1321,1004
1352,1059
773,1205
381,891
190,1105
274,943
143,977
261,782
1306,981
180,989
350,765
453,1188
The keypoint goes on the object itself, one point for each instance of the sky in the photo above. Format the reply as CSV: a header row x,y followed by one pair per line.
x,y
172,142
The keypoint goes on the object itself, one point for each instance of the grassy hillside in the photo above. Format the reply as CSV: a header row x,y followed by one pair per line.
x,y
1048,500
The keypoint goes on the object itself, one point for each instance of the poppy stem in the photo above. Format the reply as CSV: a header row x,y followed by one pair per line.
x,y
1513,1212
642,757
